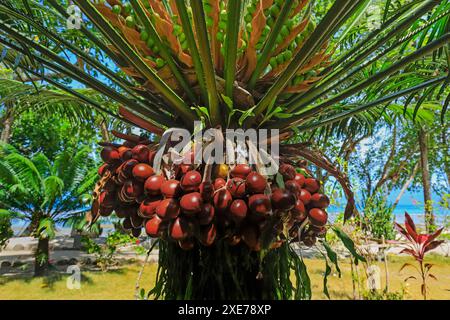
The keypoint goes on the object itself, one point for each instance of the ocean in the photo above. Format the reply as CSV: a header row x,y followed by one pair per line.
x,y
416,211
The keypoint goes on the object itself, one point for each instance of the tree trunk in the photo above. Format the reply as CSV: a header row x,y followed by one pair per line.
x,y
426,180
7,124
446,156
406,186
41,262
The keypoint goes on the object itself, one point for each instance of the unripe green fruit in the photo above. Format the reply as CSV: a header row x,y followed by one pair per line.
x,y
287,55
207,7
177,30
280,58
150,42
223,15
127,8
160,63
223,25
248,18
130,22
144,35
209,22
220,36
273,62
116,9
284,31
274,10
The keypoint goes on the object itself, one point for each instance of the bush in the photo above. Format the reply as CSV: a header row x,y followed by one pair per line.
x,y
106,253
379,217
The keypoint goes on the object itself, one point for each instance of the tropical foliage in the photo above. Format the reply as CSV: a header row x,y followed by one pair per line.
x,y
44,193
417,246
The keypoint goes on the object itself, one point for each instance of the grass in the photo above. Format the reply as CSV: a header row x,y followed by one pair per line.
x,y
119,284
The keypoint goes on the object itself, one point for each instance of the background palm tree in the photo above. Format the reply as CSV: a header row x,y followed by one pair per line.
x,y
296,66
44,192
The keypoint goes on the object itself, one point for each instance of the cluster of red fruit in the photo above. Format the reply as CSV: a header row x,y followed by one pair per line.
x,y
237,203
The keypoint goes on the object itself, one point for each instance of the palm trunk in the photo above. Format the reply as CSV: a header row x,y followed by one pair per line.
x,y
41,257
426,180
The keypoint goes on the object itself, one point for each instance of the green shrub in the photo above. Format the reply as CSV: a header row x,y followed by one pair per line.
x,y
379,217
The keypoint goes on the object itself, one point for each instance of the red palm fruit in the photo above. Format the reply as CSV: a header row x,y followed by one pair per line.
x,y
293,186
206,190
142,171
168,209
287,171
219,183
299,211
312,185
186,244
283,199
300,179
191,203
105,211
147,209
141,153
126,224
126,168
206,215
250,235
136,232
236,186
102,169
238,210
107,199
121,212
132,188
241,171
222,200
110,155
184,168
318,217
179,229
153,226
191,181
171,188
125,153
260,204
153,185
136,220
208,235
110,186
255,183
305,196
319,200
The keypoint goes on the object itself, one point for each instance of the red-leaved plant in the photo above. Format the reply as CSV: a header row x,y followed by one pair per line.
x,y
417,246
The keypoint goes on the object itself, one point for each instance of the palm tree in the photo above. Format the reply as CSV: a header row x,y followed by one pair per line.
x,y
247,63
44,193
